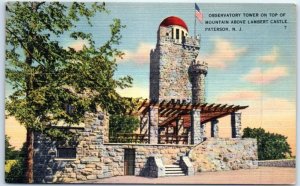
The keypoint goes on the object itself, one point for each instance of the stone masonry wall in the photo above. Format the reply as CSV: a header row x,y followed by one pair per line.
x,y
217,154
168,153
169,64
91,160
94,159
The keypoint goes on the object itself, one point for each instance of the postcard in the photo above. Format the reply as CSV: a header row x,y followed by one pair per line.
x,y
150,93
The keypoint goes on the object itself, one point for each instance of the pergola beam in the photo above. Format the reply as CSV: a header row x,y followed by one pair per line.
x,y
171,108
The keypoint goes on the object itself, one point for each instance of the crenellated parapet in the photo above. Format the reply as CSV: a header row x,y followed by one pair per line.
x,y
189,42
198,68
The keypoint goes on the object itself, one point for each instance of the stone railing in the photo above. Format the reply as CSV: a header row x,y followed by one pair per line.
x,y
129,138
172,139
278,163
155,167
186,166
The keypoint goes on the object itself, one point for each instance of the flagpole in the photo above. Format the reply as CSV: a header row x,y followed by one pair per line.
x,y
195,23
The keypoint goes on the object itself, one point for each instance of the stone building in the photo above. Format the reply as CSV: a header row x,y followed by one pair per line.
x,y
171,140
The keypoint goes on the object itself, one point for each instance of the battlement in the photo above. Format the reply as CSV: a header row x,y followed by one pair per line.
x,y
198,68
189,41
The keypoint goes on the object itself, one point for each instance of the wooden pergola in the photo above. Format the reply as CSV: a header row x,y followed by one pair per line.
x,y
176,114
172,109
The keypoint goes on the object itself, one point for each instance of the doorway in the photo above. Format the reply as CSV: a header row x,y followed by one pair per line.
x,y
129,161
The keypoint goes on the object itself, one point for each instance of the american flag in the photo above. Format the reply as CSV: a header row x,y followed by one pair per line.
x,y
198,13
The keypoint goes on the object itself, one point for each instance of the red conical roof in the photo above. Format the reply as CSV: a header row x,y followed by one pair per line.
x,y
173,20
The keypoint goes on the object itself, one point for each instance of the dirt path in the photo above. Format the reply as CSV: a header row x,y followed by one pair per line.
x,y
262,175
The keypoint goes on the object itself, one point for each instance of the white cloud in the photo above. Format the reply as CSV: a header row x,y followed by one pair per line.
x,y
140,55
78,44
224,53
271,57
240,95
257,76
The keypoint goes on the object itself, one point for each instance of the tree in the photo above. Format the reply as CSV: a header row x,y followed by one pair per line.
x,y
10,152
47,78
270,145
122,124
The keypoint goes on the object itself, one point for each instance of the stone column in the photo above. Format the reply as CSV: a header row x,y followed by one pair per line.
x,y
196,129
153,125
144,124
103,120
189,133
180,127
203,131
236,125
214,128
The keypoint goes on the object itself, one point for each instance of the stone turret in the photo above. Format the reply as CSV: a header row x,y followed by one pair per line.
x,y
197,73
170,60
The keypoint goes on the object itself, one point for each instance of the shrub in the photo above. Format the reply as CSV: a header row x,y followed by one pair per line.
x,y
122,124
270,145
15,169
16,173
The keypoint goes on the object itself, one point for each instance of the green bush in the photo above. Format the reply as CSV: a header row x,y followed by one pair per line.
x,y
16,174
122,124
15,169
270,145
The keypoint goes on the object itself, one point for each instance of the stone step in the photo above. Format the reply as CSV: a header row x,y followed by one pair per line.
x,y
173,169
174,172
172,166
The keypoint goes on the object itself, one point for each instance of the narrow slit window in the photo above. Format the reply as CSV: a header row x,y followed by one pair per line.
x,y
177,33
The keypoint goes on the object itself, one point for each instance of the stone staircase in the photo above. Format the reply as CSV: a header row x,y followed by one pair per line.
x,y
174,170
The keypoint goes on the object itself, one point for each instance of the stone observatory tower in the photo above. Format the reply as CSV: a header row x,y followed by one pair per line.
x,y
197,73
170,61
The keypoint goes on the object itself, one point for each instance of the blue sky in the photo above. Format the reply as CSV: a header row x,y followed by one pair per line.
x,y
142,21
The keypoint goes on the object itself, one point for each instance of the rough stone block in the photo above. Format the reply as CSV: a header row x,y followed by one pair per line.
x,y
90,166
73,175
69,170
90,159
107,160
91,177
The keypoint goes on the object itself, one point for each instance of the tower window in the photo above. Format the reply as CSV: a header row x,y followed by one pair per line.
x,y
172,33
177,33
